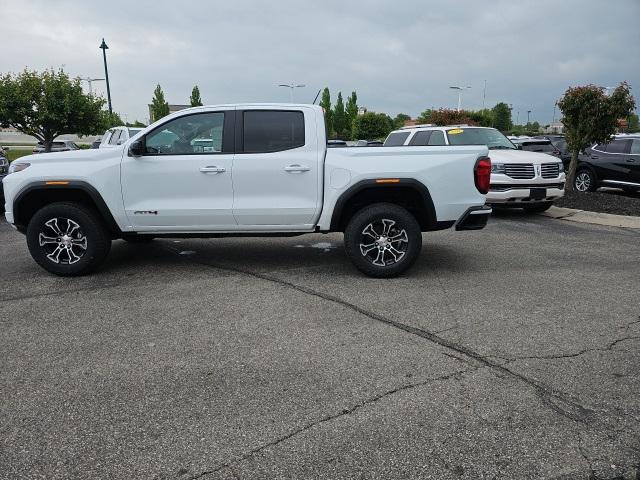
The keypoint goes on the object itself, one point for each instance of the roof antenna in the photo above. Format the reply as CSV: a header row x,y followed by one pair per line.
x,y
317,95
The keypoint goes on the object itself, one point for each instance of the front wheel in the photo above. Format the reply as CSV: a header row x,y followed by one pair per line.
x,y
383,240
67,239
584,181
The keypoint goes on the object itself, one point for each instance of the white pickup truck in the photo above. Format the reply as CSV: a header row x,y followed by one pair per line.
x,y
260,170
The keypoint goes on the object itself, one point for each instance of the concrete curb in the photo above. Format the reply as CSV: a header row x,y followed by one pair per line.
x,y
596,218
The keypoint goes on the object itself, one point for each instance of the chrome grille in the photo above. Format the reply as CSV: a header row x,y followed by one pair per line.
x,y
550,170
519,170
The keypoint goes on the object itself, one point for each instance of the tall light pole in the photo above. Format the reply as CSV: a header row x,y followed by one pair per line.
x,y
90,80
528,113
104,48
460,89
484,93
292,87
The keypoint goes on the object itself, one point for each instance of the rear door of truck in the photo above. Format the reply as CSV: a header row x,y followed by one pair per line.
x,y
277,170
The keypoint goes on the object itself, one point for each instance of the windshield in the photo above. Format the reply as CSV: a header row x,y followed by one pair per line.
x,y
490,137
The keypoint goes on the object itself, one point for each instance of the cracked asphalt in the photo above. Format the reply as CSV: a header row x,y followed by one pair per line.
x,y
512,352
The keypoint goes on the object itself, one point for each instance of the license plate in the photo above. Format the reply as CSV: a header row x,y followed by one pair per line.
x,y
538,193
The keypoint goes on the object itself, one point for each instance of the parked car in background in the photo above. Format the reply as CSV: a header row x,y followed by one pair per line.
x,y
117,136
336,143
57,146
368,143
96,143
542,145
4,168
613,164
519,178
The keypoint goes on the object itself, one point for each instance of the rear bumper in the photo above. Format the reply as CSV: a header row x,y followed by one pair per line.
x,y
475,218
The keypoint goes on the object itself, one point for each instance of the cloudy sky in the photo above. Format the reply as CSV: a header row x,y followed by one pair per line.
x,y
398,56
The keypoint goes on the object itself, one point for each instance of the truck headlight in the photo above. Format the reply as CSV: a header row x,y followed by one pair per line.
x,y
18,166
497,168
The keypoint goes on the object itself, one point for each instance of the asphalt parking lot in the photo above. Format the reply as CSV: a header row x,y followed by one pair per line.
x,y
509,353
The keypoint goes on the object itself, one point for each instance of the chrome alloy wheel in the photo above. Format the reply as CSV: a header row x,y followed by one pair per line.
x,y
582,182
382,243
62,240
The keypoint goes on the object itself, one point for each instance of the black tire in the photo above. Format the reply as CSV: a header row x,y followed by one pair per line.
x,y
585,181
77,239
139,239
538,207
383,218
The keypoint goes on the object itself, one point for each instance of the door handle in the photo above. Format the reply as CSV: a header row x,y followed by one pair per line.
x,y
213,169
296,168
594,157
630,160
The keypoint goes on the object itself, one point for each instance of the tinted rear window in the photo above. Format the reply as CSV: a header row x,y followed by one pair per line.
x,y
272,131
396,139
420,138
618,146
538,146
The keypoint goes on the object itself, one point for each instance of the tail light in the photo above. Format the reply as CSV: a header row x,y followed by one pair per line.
x,y
482,174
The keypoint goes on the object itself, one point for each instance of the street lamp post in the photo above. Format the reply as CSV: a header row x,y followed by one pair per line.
x,y
292,87
528,113
104,48
90,80
460,89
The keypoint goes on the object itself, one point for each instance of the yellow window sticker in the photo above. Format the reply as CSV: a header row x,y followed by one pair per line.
x,y
457,131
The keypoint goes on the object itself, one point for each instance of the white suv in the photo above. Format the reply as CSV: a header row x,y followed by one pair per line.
x,y
529,180
117,136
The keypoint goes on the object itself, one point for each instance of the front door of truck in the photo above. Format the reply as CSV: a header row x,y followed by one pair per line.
x,y
182,182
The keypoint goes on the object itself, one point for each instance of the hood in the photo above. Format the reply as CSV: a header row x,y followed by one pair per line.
x,y
73,155
520,156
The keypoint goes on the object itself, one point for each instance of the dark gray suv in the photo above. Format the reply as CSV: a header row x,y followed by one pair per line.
x,y
613,164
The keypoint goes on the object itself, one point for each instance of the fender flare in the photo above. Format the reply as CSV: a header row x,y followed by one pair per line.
x,y
412,183
73,185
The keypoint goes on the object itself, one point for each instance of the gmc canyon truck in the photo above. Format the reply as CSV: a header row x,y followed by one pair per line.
x,y
244,170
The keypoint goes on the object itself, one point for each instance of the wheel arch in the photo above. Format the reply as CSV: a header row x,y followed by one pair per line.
x,y
36,195
405,192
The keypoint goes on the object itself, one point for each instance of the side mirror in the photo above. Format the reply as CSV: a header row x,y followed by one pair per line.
x,y
136,149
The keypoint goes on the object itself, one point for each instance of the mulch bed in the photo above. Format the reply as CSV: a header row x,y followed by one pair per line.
x,y
607,201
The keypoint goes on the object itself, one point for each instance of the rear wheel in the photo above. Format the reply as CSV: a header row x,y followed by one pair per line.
x,y
383,240
538,207
584,181
67,239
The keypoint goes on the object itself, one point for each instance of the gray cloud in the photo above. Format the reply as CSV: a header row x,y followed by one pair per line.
x,y
398,56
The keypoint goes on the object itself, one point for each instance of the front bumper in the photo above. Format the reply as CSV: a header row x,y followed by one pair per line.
x,y
517,194
475,218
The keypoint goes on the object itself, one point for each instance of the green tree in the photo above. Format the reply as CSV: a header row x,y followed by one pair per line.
x,y
447,116
328,114
351,111
371,126
339,117
634,124
48,104
110,120
590,116
502,117
195,99
400,119
425,117
159,106
483,117
137,124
